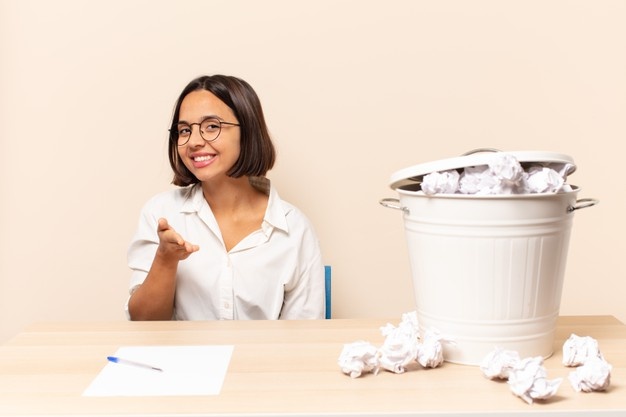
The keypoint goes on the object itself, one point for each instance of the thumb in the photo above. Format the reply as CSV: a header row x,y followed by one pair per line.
x,y
162,225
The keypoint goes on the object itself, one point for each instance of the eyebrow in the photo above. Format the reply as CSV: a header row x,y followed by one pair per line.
x,y
212,116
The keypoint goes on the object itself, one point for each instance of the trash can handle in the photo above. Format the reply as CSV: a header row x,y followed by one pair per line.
x,y
393,203
477,150
583,203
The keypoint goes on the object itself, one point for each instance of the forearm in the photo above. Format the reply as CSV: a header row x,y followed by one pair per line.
x,y
154,299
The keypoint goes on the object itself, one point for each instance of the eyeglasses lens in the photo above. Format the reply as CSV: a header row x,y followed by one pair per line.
x,y
210,129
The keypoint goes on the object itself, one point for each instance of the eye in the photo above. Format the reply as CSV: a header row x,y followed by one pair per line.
x,y
210,125
183,130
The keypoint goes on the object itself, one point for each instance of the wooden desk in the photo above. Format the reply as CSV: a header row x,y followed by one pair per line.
x,y
283,368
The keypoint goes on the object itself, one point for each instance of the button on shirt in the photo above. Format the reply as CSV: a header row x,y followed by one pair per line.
x,y
275,272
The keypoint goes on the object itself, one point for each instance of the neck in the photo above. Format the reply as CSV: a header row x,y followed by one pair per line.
x,y
229,194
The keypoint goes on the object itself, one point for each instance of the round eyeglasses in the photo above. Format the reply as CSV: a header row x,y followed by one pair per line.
x,y
210,129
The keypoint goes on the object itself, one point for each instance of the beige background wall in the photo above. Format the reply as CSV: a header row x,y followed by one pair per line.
x,y
353,91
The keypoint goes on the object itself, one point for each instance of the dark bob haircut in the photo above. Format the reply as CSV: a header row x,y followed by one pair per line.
x,y
257,151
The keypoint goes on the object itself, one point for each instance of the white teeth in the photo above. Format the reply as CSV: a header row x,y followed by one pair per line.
x,y
202,158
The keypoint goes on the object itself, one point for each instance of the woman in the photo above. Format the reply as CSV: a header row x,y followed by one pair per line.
x,y
224,245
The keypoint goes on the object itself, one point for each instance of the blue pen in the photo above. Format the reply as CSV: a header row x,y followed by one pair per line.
x,y
115,359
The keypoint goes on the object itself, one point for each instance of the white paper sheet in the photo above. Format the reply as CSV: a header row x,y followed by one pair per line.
x,y
187,370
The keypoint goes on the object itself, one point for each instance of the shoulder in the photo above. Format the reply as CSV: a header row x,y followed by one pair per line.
x,y
295,220
173,199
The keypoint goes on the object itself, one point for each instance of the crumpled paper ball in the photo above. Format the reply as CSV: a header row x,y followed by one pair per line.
x,y
528,380
430,350
446,182
577,350
508,173
543,180
593,375
400,345
499,363
477,180
358,357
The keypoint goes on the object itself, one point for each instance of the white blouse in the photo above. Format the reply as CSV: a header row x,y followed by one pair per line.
x,y
275,272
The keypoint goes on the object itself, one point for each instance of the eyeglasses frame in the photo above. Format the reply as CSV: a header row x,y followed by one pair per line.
x,y
221,122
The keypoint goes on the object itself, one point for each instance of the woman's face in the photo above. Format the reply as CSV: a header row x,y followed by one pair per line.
x,y
208,160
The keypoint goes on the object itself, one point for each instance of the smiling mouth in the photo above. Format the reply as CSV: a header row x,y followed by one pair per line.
x,y
203,158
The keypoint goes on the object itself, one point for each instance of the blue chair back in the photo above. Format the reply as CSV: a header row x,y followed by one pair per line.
x,y
327,285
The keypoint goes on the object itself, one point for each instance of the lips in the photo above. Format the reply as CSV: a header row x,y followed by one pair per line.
x,y
202,160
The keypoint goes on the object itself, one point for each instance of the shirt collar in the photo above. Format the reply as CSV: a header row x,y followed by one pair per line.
x,y
275,214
